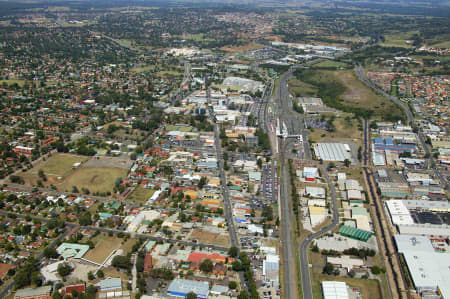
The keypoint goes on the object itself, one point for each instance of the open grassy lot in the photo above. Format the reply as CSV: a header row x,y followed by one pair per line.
x,y
97,176
244,48
342,90
327,64
58,165
140,194
143,68
369,288
299,88
345,128
105,244
96,179
358,94
210,238
179,128
10,82
398,39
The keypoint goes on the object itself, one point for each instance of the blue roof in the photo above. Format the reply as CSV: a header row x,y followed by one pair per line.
x,y
389,141
378,140
240,220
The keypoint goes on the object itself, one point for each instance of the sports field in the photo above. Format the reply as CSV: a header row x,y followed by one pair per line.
x,y
94,175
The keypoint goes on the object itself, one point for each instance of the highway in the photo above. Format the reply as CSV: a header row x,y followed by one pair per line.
x,y
287,217
410,116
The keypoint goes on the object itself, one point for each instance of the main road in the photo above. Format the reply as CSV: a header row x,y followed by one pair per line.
x,y
295,125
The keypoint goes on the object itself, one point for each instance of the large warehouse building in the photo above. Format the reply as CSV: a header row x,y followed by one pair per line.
x,y
338,152
430,270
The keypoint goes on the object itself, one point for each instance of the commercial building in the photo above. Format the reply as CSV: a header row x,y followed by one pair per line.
x,y
429,270
181,287
72,250
355,233
109,285
315,192
271,269
338,152
34,293
310,173
334,290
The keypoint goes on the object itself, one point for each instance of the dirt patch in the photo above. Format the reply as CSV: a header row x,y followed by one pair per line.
x,y
210,238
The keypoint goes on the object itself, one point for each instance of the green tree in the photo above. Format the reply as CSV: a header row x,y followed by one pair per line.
x,y
233,251
206,265
232,285
50,252
64,269
191,295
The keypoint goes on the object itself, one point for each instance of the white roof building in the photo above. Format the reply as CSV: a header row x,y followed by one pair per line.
x,y
334,290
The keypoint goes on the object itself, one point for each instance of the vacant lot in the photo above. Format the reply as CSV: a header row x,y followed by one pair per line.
x,y
398,39
96,175
301,89
244,48
104,245
342,90
96,179
210,238
140,194
345,128
326,64
58,165
369,288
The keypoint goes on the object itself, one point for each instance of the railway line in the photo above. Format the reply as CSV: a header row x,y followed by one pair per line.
x,y
387,250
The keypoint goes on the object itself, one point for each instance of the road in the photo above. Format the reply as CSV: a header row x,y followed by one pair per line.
x,y
116,231
295,124
287,217
360,74
306,277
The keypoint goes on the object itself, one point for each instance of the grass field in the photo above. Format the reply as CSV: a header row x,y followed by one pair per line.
x,y
370,289
179,128
347,91
244,48
58,165
398,39
345,129
105,244
21,83
140,194
59,172
96,179
330,64
299,88
141,69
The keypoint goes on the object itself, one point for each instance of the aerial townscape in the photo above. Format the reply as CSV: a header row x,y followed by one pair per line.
x,y
261,149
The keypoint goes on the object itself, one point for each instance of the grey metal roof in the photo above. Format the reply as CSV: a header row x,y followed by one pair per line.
x,y
184,286
31,292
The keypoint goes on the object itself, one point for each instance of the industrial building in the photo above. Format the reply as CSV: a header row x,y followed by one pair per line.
x,y
429,270
355,233
338,152
181,287
310,173
334,290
